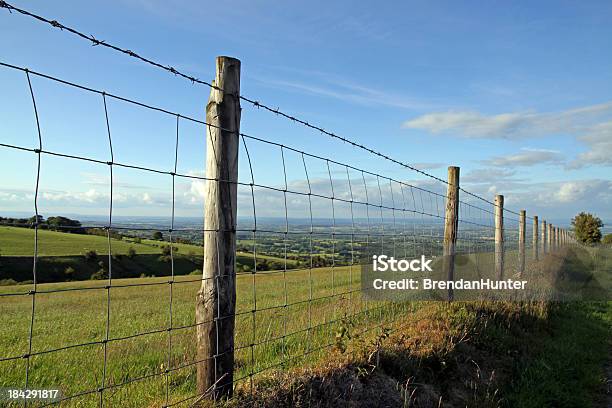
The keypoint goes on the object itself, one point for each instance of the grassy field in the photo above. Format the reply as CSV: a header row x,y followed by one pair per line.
x,y
70,322
58,251
16,241
20,242
79,316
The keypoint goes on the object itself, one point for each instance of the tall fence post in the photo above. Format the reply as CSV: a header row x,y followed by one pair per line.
x,y
544,250
522,236
549,239
499,236
451,222
535,238
216,299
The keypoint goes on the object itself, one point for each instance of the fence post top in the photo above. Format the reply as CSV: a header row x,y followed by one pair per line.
x,y
227,58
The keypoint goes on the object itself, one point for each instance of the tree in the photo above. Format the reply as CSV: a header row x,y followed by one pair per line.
x,y
64,224
90,255
587,228
607,239
36,219
157,235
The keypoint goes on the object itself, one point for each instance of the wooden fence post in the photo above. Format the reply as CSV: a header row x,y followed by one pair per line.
x,y
216,300
535,238
499,236
543,232
549,239
522,236
451,222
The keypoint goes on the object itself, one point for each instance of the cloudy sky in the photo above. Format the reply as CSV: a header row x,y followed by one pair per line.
x,y
515,93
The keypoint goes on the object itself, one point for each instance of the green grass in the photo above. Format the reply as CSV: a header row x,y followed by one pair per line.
x,y
79,316
59,251
16,241
567,370
75,313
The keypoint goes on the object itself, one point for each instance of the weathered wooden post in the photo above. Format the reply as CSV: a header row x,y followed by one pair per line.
x,y
544,250
216,300
451,222
535,238
499,236
522,234
550,238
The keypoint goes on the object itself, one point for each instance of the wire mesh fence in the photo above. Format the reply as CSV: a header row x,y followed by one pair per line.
x,y
306,224
300,285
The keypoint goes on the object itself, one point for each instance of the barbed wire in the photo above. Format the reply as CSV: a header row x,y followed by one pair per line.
x,y
193,79
425,236
403,217
255,103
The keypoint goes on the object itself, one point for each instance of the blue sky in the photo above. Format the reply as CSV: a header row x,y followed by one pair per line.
x,y
515,93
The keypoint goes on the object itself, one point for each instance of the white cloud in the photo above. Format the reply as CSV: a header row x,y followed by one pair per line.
x,y
91,196
550,199
336,87
517,125
487,175
528,157
599,140
427,165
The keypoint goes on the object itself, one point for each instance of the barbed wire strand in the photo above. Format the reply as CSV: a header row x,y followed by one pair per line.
x,y
253,102
376,237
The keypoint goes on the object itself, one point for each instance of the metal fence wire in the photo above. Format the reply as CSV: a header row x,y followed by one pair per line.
x,y
114,340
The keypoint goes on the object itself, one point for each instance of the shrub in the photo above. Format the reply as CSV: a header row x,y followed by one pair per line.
x,y
131,253
137,240
90,255
587,228
7,282
607,239
166,250
158,236
69,272
196,272
101,274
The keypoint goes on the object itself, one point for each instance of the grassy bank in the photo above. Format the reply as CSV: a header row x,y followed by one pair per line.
x,y
475,354
66,257
141,346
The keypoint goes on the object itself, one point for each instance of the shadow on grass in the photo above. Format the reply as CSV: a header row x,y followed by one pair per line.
x,y
458,354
